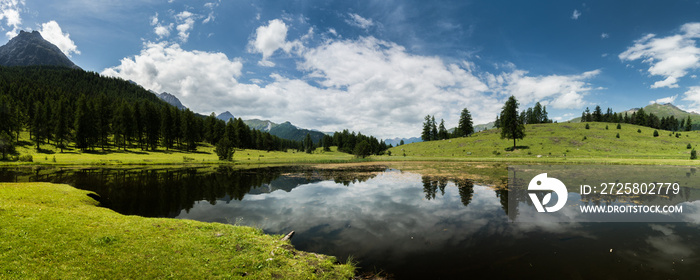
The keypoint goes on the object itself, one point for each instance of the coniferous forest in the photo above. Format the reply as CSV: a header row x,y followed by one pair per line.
x,y
75,109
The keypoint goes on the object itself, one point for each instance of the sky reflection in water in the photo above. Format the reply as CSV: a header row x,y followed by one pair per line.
x,y
392,222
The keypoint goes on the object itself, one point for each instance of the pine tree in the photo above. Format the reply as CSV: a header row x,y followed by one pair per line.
x,y
84,125
166,127
61,124
38,124
442,131
465,127
103,115
433,129
425,135
688,124
513,127
190,131
308,144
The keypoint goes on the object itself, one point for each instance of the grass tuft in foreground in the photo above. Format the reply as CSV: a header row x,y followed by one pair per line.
x,y
58,232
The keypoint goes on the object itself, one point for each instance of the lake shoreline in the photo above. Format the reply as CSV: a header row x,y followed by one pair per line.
x,y
57,231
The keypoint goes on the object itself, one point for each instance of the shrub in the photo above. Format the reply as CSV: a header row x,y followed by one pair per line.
x,y
224,149
693,154
619,126
26,158
588,126
606,127
584,138
618,135
656,133
639,131
689,146
388,153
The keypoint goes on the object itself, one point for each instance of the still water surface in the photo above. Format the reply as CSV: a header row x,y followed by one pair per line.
x,y
405,224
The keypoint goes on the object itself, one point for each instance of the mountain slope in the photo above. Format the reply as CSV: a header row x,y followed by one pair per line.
x,y
29,48
171,99
225,116
288,131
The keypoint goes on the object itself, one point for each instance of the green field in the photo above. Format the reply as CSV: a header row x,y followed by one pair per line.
x,y
50,155
51,231
561,142
551,143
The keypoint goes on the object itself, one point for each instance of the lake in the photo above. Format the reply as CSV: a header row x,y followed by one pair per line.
x,y
404,224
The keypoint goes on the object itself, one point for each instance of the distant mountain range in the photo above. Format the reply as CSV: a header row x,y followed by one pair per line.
x,y
396,141
29,48
285,130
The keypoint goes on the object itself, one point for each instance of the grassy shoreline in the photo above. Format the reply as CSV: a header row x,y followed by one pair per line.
x,y
57,231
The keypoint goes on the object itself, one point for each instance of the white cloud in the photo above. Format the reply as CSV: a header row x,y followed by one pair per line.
x,y
211,6
52,32
161,30
604,35
10,13
670,57
693,96
664,100
271,38
364,84
358,21
185,23
559,91
575,15
202,80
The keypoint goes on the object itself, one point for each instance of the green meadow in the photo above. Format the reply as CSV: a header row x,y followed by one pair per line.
x,y
205,155
561,143
52,231
545,143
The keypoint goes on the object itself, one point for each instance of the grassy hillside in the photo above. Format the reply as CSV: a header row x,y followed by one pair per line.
x,y
56,232
560,141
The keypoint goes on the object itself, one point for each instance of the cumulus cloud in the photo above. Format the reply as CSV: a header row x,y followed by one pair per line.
x,y
10,13
692,95
271,38
359,21
664,100
161,30
52,32
604,35
185,23
559,91
363,84
670,57
200,79
575,15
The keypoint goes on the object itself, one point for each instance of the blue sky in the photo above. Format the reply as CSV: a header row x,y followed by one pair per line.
x,y
380,66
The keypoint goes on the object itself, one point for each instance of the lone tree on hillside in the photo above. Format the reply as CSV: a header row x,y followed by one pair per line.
x,y
511,125
466,127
